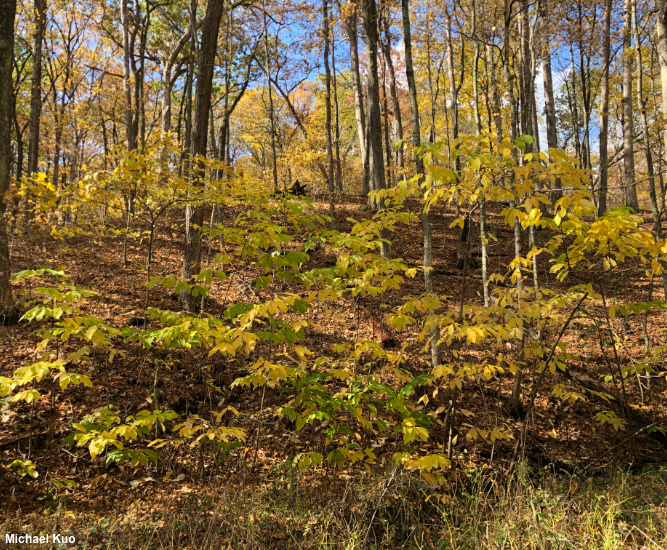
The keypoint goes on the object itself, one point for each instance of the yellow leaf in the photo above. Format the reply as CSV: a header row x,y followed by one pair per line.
x,y
96,446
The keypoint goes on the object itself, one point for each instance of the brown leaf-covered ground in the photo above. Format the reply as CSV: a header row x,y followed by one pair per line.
x,y
559,433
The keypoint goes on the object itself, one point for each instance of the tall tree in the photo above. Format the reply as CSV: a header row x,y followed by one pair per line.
x,y
393,91
478,132
642,103
167,82
351,23
334,81
194,215
525,76
327,106
36,85
585,78
475,72
604,107
7,15
509,76
374,119
131,120
628,122
376,176
35,96
661,39
419,165
491,64
453,88
272,120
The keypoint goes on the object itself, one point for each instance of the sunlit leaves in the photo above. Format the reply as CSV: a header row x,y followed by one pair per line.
x,y
609,417
104,428
25,468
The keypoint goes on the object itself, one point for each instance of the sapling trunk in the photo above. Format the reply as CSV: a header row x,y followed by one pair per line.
x,y
450,430
259,424
465,264
221,237
612,334
127,230
156,404
32,410
536,280
149,259
464,239
478,132
647,342
99,255
485,257
52,420
210,227
517,405
428,284
171,244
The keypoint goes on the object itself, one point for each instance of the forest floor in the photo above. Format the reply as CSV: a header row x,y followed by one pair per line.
x,y
567,500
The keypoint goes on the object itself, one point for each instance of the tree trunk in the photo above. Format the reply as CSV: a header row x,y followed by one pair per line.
x,y
57,139
453,90
549,100
130,133
412,87
194,215
167,84
35,95
628,124
334,81
19,149
393,93
327,103
645,137
374,123
351,28
140,76
7,15
274,161
586,92
419,164
517,405
478,132
35,99
533,102
432,134
524,71
396,108
604,108
495,97
509,77
475,72
661,32
385,122
572,104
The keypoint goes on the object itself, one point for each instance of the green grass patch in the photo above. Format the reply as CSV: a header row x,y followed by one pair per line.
x,y
477,510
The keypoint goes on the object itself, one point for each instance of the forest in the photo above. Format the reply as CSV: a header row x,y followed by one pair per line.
x,y
333,274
